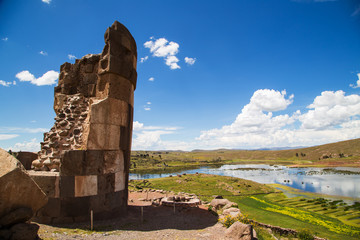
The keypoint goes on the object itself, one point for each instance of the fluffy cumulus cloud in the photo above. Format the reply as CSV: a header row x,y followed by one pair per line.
x,y
255,122
357,85
5,39
331,117
331,109
190,61
49,78
7,84
46,1
163,48
151,79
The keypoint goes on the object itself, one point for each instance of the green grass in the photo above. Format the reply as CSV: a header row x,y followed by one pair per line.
x,y
204,185
267,207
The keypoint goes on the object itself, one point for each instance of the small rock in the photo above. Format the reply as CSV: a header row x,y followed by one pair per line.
x,y
63,123
24,231
63,133
47,162
239,231
17,216
36,163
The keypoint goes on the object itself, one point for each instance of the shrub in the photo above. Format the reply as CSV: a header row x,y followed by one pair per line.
x,y
244,219
227,221
305,234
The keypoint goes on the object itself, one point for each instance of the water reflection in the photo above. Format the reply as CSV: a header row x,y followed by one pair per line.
x,y
335,181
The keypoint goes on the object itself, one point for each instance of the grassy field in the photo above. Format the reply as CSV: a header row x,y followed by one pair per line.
x,y
330,219
346,153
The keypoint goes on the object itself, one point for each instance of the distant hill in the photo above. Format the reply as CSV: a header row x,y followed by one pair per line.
x,y
349,149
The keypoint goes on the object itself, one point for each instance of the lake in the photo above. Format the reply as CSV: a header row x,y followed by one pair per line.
x,y
340,181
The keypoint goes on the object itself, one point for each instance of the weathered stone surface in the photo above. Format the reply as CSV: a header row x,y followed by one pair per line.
x,y
239,231
115,86
231,211
85,185
219,203
119,181
24,231
17,216
47,181
17,189
91,162
103,136
113,161
109,111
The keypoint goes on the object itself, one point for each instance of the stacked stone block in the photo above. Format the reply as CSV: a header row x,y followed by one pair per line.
x,y
85,157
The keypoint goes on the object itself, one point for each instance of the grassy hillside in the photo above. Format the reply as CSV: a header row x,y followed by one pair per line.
x,y
345,153
332,219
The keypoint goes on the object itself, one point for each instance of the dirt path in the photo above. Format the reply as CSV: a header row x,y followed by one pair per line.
x,y
158,223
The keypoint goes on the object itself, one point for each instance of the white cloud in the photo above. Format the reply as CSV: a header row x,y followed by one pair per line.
x,y
150,137
163,48
147,108
46,1
190,61
151,79
7,84
5,39
137,126
144,59
7,136
357,85
331,109
253,120
71,57
148,103
331,117
28,146
172,61
24,130
43,53
49,78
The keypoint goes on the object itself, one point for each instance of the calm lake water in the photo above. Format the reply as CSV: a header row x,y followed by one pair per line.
x,y
333,181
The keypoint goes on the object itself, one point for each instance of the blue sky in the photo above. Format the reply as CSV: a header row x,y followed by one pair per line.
x,y
242,74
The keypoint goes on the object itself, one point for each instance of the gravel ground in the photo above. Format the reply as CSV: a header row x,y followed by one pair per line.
x,y
158,223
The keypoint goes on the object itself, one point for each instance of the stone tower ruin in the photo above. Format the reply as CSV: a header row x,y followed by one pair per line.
x,y
84,160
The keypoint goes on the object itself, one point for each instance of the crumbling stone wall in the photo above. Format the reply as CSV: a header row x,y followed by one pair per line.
x,y
84,160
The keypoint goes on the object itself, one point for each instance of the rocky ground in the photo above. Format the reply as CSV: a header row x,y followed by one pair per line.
x,y
158,223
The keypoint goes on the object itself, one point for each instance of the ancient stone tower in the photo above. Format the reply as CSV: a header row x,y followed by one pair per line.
x,y
84,160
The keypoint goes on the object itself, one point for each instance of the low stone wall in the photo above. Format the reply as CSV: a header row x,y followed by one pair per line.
x,y
88,180
280,230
